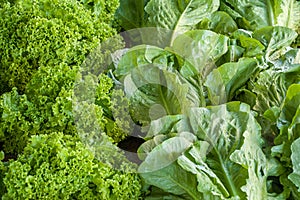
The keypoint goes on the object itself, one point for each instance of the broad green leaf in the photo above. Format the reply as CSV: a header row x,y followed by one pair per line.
x,y
167,124
256,14
161,170
175,180
253,159
290,15
201,48
223,82
291,103
295,157
268,88
253,48
179,16
142,55
165,154
252,14
231,162
155,93
131,13
219,22
289,125
275,39
208,182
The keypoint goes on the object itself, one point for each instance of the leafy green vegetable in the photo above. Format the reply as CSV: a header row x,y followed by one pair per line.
x,y
179,16
131,13
213,89
226,157
50,161
219,22
45,33
275,38
258,13
224,81
294,177
201,48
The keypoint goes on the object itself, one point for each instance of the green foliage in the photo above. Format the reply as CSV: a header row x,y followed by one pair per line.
x,y
245,50
47,107
45,33
222,160
3,169
58,166
181,87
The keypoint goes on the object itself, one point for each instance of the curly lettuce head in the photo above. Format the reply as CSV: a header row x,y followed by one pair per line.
x,y
37,33
58,166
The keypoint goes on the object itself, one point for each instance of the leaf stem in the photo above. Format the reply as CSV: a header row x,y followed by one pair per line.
x,y
232,189
271,18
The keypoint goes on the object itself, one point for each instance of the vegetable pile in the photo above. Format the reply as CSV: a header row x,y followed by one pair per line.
x,y
210,88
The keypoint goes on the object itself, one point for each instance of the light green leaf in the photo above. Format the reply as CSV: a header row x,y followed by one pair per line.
x,y
256,14
295,176
165,154
167,124
253,48
131,13
141,55
161,170
289,126
179,16
275,39
175,180
219,22
223,82
253,159
208,182
290,15
155,93
230,160
201,48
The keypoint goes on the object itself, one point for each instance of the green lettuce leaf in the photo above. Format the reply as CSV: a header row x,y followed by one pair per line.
x,y
161,170
154,93
275,38
178,16
233,135
286,141
256,14
225,157
223,82
219,22
295,176
202,48
131,13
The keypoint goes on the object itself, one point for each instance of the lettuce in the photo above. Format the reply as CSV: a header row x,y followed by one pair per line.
x,y
59,166
225,157
43,33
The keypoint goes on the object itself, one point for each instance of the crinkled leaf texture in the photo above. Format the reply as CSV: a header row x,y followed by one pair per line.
x,y
223,82
287,141
59,166
295,157
179,16
225,158
153,84
255,14
275,39
201,48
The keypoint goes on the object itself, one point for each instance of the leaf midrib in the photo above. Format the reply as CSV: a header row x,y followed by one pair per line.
x,y
183,187
177,23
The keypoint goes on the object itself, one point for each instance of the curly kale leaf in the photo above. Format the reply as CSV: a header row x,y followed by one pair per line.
x,y
59,166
